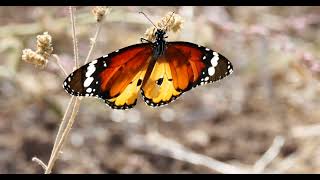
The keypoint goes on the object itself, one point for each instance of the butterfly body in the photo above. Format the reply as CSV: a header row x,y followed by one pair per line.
x,y
160,70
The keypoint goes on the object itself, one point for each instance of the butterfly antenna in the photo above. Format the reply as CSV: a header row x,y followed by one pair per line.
x,y
148,19
169,19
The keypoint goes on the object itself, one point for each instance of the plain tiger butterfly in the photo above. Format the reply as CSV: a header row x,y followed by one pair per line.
x,y
161,70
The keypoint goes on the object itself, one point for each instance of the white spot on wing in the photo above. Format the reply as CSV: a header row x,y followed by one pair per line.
x,y
89,90
90,69
214,60
211,71
93,62
88,81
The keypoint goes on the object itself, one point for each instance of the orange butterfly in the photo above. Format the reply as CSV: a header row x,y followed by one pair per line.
x,y
161,70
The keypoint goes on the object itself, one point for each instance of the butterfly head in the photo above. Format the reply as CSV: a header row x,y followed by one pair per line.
x,y
160,34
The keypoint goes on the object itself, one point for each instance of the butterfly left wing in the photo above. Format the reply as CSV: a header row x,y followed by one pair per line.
x,y
116,77
183,66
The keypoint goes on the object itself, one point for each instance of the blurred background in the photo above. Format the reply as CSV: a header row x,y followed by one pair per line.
x,y
264,118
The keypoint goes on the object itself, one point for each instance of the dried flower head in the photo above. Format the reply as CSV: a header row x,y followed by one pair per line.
x,y
99,12
32,57
150,33
44,45
170,22
43,52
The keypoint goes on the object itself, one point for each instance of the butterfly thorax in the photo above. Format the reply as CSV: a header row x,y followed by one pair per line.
x,y
159,44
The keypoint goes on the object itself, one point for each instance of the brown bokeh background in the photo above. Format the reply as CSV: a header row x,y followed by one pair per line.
x,y
272,96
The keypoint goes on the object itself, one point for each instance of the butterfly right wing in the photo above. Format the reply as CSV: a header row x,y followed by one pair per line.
x,y
183,66
115,77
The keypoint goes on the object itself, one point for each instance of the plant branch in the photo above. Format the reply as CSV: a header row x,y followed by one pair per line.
x,y
269,155
63,136
37,160
62,125
157,144
74,37
56,57
94,40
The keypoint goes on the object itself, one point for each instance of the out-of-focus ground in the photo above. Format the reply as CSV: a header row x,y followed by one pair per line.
x,y
271,98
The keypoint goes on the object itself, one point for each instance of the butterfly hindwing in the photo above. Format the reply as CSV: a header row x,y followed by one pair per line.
x,y
159,88
183,66
115,77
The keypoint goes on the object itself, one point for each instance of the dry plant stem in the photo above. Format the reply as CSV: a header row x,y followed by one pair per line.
x,y
157,144
63,136
59,64
60,139
269,155
74,37
306,131
94,40
35,159
62,126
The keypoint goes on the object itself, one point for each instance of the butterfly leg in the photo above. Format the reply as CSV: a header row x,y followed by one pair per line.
x,y
145,40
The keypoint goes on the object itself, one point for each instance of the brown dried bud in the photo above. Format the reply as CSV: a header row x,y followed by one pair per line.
x,y
44,45
33,58
170,22
99,12
150,33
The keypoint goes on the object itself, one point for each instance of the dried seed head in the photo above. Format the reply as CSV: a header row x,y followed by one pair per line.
x,y
170,22
99,12
33,58
44,45
150,33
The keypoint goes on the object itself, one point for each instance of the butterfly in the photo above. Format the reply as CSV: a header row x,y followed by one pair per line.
x,y
162,71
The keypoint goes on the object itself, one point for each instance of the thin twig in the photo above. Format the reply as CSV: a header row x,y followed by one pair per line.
x,y
62,125
306,131
37,160
94,40
63,136
269,155
74,37
157,144
56,57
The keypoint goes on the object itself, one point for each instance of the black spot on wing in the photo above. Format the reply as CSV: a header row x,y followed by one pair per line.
x,y
139,82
